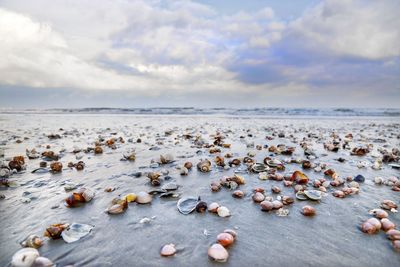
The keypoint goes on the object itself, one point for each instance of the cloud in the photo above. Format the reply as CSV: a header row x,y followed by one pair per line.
x,y
182,48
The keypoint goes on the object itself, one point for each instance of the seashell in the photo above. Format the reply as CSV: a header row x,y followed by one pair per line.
x,y
32,241
187,205
274,163
183,171
170,186
238,194
215,186
188,165
213,207
393,234
54,231
300,195
76,231
258,197
338,194
259,167
359,178
396,245
223,212
42,262
277,204
87,194
276,189
313,194
308,211
266,205
263,176
299,177
143,198
56,167
98,150
204,166
388,204
368,228
218,253
235,162
231,232
354,184
116,209
24,257
131,197
286,200
387,224
238,179
306,164
225,239
201,207
220,161
153,175
379,213
168,250
167,158
129,155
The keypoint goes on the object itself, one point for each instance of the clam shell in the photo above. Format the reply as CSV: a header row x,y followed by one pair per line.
x,y
259,167
223,212
313,194
301,196
43,262
143,198
32,241
168,250
187,205
24,257
76,231
213,207
274,163
218,253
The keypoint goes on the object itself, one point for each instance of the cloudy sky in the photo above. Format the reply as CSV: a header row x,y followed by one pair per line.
x,y
205,53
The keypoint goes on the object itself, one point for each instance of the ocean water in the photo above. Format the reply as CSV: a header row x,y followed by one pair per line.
x,y
331,238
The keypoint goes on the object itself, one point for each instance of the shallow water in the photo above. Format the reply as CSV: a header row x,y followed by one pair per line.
x,y
331,238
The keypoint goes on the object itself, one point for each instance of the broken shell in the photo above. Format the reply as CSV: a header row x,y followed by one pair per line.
x,y
299,177
32,241
218,253
313,194
76,231
56,166
379,213
225,239
201,207
54,231
388,204
282,212
143,198
168,250
393,234
300,195
24,257
213,207
187,205
167,158
387,224
223,212
258,197
308,211
266,205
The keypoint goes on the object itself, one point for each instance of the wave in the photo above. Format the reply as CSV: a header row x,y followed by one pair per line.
x,y
356,112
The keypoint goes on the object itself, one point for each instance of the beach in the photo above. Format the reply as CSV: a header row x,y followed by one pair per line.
x,y
332,237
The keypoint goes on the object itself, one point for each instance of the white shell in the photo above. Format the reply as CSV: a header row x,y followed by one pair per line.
x,y
218,253
75,232
143,198
223,212
24,257
213,207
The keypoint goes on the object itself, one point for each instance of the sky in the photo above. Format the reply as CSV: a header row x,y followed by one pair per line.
x,y
205,53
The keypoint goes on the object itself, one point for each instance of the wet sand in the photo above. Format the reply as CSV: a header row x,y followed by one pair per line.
x,y
331,238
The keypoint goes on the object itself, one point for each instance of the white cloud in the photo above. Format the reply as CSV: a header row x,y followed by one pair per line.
x,y
365,29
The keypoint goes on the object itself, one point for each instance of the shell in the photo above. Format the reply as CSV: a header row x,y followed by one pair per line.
x,y
32,241
56,167
225,239
379,213
301,195
116,209
43,262
388,204
238,194
131,197
393,234
188,165
184,171
308,211
258,197
387,224
213,207
218,253
396,245
76,231
54,231
204,166
231,232
187,205
259,167
299,177
201,207
313,194
143,198
266,205
168,250
167,158
170,186
223,212
277,204
24,257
